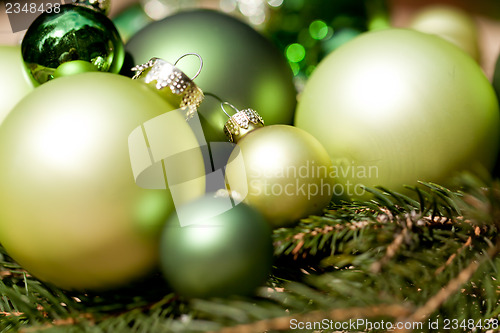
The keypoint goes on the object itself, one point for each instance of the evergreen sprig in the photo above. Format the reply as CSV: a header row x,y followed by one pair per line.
x,y
424,256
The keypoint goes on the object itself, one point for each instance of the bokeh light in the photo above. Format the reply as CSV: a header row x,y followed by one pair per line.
x,y
295,52
318,29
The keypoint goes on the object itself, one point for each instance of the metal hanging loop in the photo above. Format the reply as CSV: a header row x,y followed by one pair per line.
x,y
231,105
201,63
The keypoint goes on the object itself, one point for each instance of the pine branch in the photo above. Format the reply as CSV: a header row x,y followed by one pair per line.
x,y
453,256
424,312
395,257
392,248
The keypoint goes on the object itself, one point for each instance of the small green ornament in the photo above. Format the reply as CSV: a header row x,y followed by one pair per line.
x,y
131,20
223,250
75,33
74,67
450,23
286,173
101,6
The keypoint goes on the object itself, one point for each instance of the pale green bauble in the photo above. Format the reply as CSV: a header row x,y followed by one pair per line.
x,y
14,82
74,67
285,173
239,64
395,107
220,251
70,211
450,23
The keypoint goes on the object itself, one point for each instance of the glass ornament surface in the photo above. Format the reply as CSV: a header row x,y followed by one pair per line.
x,y
240,64
223,251
75,33
70,211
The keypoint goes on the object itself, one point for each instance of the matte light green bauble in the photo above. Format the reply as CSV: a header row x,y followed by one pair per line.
x,y
70,211
239,64
14,81
74,67
285,174
450,23
74,33
396,106
222,251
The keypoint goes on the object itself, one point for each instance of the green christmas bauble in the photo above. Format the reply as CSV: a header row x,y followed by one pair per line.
x,y
101,6
396,106
496,77
220,250
496,87
239,64
14,82
70,210
450,23
131,20
74,33
74,67
286,174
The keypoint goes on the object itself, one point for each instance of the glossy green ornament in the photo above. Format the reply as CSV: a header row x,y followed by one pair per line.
x,y
286,174
75,33
222,251
395,107
14,82
239,64
70,210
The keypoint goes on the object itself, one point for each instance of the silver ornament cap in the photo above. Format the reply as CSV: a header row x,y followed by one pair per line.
x,y
168,80
241,123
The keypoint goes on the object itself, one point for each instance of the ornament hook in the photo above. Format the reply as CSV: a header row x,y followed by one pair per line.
x,y
201,63
240,123
231,105
222,103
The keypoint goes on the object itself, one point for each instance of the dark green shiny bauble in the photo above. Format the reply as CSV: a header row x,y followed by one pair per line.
x,y
239,65
75,33
222,251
